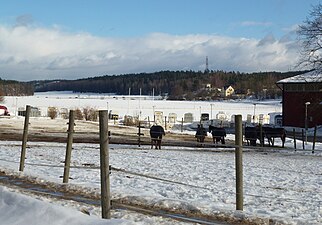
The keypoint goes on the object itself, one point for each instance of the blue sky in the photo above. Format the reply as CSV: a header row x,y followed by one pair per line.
x,y
77,38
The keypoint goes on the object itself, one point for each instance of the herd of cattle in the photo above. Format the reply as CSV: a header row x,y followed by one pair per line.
x,y
252,134
262,132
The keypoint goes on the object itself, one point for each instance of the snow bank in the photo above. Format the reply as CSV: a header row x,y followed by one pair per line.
x,y
20,209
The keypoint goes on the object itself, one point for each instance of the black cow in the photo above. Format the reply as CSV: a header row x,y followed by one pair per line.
x,y
218,134
251,135
156,133
254,133
201,133
272,132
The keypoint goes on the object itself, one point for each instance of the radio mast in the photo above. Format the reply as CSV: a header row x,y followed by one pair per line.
x,y
207,69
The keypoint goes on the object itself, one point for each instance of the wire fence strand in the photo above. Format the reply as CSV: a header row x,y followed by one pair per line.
x,y
181,183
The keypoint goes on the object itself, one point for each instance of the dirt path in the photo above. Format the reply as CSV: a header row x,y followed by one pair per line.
x,y
47,130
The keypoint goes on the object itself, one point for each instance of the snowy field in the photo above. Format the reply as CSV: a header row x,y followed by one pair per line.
x,y
284,185
141,105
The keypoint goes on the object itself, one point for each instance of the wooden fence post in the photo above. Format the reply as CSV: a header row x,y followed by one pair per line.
x,y
303,139
69,145
139,134
261,135
181,125
24,139
239,161
104,165
294,138
314,139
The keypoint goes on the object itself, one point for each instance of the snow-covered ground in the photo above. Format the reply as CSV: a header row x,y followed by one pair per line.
x,y
18,209
141,105
284,185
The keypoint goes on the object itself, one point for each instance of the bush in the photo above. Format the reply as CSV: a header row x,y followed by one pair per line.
x,y
64,113
78,114
52,112
90,114
131,121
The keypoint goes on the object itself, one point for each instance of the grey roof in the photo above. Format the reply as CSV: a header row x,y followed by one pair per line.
x,y
309,77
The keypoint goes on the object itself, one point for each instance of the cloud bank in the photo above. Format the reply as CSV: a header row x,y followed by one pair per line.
x,y
31,53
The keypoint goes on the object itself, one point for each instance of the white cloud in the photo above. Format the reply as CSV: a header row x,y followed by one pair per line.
x,y
267,40
255,23
24,20
292,29
29,53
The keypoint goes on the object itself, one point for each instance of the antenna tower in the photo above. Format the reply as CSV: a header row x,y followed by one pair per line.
x,y
207,69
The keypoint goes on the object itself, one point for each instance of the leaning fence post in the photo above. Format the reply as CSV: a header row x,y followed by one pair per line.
x,y
69,146
239,161
24,139
104,165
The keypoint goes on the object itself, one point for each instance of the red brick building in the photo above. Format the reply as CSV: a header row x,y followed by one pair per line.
x,y
302,100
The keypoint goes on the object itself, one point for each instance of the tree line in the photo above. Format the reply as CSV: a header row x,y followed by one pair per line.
x,y
15,88
176,85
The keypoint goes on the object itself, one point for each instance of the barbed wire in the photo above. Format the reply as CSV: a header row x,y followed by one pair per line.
x,y
285,170
51,165
245,165
174,182
213,145
156,178
199,187
163,179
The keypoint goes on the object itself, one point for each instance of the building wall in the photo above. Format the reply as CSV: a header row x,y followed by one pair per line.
x,y
294,108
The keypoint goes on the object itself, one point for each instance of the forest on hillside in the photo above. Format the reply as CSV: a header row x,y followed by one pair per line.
x,y
15,88
175,85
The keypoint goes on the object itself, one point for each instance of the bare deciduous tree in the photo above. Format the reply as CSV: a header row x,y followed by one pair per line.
x,y
1,96
310,36
78,114
90,114
52,112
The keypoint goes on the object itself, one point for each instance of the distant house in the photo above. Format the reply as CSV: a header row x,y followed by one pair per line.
x,y
302,100
228,91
